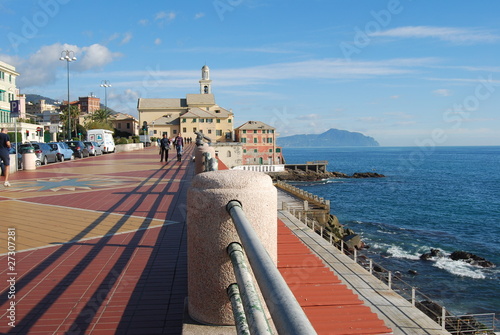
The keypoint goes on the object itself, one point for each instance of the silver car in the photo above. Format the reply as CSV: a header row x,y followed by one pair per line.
x,y
94,148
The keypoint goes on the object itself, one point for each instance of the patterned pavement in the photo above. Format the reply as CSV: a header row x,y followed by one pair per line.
x,y
97,246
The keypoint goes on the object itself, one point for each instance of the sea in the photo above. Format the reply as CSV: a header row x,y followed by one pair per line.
x,y
446,198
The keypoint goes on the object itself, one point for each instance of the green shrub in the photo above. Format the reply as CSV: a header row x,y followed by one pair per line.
x,y
122,140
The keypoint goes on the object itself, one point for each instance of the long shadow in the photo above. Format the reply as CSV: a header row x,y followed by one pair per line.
x,y
24,325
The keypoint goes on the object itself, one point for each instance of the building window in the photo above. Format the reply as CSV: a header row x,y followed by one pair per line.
x,y
218,132
194,129
228,153
244,151
174,131
270,140
255,131
255,150
183,120
194,120
128,125
270,150
202,120
243,140
255,140
119,126
228,120
210,131
184,130
244,131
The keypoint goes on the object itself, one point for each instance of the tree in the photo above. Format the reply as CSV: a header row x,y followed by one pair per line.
x,y
74,114
99,120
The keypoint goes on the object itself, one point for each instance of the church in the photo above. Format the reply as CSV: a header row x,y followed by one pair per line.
x,y
196,112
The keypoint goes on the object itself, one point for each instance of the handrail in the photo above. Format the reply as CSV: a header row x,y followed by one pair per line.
x,y
287,315
256,318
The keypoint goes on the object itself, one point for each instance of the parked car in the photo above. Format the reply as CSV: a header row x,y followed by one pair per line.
x,y
43,151
63,151
94,148
79,148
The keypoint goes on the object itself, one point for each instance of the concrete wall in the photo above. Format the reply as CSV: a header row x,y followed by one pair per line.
x,y
129,147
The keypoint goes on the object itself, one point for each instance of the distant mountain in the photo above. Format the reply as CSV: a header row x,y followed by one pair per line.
x,y
330,138
35,98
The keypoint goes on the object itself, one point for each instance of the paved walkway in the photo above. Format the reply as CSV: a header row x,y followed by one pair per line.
x,y
100,246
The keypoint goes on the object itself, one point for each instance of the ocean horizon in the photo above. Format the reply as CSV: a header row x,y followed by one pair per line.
x,y
443,197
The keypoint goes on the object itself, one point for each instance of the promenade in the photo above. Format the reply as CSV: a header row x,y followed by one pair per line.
x,y
98,246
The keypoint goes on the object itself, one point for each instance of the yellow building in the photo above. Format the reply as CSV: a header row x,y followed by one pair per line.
x,y
197,112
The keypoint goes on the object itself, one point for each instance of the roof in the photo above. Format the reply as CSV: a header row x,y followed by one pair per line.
x,y
161,103
199,112
200,100
255,125
166,121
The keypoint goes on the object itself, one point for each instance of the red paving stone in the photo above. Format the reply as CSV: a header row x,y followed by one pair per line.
x,y
135,282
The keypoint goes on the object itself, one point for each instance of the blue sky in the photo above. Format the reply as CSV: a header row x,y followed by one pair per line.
x,y
408,73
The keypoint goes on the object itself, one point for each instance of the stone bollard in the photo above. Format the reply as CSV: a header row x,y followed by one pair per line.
x,y
29,161
210,230
199,160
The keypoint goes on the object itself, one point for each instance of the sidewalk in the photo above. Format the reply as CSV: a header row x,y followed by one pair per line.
x,y
100,246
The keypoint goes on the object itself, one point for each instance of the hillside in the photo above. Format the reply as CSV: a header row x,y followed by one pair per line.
x,y
35,98
330,138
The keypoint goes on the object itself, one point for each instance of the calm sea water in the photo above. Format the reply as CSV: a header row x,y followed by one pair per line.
x,y
444,197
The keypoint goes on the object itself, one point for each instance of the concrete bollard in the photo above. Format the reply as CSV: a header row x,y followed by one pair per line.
x,y
29,161
199,160
210,230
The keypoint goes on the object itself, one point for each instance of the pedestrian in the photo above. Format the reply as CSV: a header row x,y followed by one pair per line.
x,y
179,145
164,147
4,154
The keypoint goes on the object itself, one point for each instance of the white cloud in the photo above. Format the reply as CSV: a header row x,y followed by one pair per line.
x,y
443,92
449,34
42,67
143,22
309,117
164,17
199,15
158,41
126,38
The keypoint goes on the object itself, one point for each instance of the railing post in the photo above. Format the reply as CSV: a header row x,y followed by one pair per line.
x,y
413,296
389,279
210,230
371,266
443,318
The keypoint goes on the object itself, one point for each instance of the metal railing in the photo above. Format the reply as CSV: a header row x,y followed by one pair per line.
x,y
286,313
470,324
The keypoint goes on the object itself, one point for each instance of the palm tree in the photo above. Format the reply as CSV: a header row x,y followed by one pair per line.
x,y
74,113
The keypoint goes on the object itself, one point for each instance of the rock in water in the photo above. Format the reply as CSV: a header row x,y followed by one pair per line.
x,y
471,259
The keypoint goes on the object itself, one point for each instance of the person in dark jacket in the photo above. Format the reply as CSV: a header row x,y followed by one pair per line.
x,y
164,146
179,145
4,154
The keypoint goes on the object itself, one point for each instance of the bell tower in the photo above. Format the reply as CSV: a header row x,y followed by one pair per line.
x,y
205,82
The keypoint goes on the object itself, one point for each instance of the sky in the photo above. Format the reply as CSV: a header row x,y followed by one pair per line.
x,y
408,73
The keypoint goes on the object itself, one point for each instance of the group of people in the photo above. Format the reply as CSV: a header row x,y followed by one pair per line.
x,y
4,154
165,144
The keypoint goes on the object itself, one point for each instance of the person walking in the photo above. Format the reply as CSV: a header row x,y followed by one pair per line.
x,y
164,146
179,145
4,154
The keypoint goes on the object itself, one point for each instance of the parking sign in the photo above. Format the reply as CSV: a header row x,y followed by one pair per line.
x,y
14,108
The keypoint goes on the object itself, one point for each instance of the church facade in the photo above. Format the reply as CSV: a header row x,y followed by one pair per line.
x,y
196,112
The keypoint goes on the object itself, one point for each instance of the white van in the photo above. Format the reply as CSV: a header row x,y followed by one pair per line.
x,y
104,137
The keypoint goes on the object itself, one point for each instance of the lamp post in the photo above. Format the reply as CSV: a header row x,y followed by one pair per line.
x,y
105,84
68,56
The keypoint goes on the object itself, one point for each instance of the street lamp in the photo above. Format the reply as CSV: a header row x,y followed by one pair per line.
x,y
105,84
68,56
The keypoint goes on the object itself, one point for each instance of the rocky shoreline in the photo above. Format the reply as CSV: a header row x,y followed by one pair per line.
x,y
300,175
